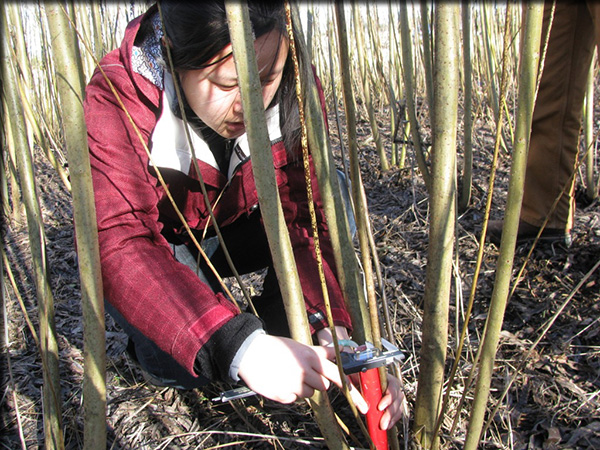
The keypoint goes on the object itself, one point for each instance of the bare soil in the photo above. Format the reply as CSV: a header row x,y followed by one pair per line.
x,y
554,401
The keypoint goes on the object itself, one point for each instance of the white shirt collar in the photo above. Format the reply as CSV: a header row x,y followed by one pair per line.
x,y
170,146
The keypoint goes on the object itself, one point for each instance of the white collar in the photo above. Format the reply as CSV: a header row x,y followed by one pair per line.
x,y
170,146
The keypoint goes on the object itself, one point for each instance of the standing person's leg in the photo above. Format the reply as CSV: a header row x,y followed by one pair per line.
x,y
594,10
557,117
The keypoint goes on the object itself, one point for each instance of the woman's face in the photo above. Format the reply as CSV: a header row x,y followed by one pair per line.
x,y
213,92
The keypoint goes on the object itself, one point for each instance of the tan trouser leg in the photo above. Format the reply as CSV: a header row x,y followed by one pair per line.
x,y
557,116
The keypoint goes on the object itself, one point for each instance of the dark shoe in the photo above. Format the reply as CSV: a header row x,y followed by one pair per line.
x,y
527,233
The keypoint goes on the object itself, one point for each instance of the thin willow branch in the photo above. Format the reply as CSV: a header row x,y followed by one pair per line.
x,y
13,284
364,76
11,380
527,90
408,72
553,207
526,359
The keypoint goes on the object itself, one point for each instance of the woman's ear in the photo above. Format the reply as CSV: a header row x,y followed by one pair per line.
x,y
165,41
166,44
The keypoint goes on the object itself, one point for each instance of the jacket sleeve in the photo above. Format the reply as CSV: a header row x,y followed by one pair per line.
x,y
159,296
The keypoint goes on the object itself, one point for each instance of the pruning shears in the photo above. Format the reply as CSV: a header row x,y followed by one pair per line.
x,y
364,360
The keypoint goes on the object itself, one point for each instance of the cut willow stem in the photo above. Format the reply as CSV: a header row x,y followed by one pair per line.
x,y
441,236
71,90
53,435
527,88
268,197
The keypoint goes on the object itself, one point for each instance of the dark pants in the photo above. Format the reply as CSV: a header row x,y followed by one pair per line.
x,y
556,119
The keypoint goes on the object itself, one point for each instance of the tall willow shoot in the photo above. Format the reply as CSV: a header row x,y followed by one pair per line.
x,y
441,232
427,54
527,88
71,92
365,77
467,173
35,123
409,83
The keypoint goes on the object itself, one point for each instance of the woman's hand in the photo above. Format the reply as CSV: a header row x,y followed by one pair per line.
x,y
325,337
393,402
284,370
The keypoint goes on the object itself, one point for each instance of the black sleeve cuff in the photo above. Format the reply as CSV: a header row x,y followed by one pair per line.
x,y
215,357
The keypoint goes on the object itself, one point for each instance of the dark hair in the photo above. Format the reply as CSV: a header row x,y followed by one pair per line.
x,y
198,30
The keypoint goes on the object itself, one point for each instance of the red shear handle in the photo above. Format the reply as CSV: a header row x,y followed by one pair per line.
x,y
371,390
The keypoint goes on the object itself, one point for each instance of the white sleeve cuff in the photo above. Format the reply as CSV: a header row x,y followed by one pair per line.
x,y
234,368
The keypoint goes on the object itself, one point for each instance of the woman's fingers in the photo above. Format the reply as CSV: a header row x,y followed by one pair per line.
x,y
393,403
331,371
316,380
284,370
357,398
